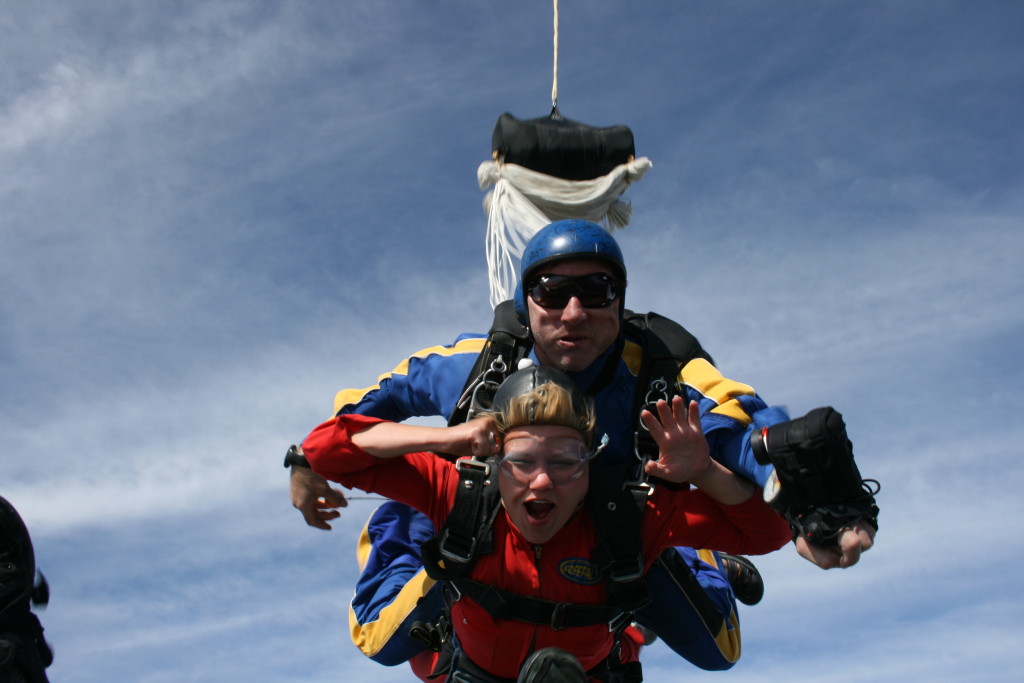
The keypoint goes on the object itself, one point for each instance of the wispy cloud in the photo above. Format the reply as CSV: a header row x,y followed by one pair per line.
x,y
214,217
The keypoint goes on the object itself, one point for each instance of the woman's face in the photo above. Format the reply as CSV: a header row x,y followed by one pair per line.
x,y
544,475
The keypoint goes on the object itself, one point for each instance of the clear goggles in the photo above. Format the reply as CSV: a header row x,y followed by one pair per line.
x,y
563,459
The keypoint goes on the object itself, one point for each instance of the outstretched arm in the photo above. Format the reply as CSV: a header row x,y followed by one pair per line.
x,y
392,439
684,455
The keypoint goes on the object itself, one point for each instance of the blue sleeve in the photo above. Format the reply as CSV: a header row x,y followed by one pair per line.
x,y
730,413
428,383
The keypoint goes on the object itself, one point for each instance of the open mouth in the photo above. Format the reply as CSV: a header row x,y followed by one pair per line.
x,y
572,339
538,511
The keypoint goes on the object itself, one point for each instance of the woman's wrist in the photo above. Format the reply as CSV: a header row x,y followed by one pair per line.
x,y
723,484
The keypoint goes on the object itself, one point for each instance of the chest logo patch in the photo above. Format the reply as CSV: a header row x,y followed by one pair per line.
x,y
579,570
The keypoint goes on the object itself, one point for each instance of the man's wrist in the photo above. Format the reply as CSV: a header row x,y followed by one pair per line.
x,y
295,458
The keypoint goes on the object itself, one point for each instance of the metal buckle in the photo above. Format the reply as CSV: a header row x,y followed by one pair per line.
x,y
558,616
618,621
657,390
472,464
618,574
477,472
486,387
453,554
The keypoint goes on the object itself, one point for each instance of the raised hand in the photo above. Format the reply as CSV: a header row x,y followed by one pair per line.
x,y
684,453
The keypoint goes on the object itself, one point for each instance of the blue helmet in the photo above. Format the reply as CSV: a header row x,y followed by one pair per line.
x,y
560,241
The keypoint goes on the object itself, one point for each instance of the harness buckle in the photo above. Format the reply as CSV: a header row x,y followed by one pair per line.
x,y
619,621
626,571
482,395
472,467
460,555
558,615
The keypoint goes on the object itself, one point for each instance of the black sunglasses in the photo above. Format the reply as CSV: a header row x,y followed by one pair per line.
x,y
595,290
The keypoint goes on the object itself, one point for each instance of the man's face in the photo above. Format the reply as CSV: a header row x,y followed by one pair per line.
x,y
573,337
545,479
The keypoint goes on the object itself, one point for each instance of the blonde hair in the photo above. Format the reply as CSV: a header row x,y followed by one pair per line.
x,y
548,404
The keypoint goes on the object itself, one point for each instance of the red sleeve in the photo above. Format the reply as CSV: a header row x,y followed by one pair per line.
x,y
330,450
420,480
691,518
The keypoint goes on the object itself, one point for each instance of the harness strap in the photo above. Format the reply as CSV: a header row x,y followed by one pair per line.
x,y
607,370
617,510
508,342
668,347
502,604
467,532
465,670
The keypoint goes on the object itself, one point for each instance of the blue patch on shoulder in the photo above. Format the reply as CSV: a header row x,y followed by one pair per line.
x,y
579,570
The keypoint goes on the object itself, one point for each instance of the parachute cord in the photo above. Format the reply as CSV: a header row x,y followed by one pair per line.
x,y
554,77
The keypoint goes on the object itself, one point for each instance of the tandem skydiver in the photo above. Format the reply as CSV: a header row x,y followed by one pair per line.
x,y
571,301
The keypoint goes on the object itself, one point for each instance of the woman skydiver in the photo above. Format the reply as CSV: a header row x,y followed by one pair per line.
x,y
538,440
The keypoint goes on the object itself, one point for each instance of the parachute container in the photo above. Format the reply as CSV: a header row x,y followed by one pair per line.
x,y
560,147
548,169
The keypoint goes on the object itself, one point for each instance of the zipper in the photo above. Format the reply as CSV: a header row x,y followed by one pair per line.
x,y
536,563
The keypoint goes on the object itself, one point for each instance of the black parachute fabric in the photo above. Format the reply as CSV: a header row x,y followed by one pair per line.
x,y
561,147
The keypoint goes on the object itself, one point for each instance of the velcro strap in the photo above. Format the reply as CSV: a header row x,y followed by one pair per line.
x,y
822,525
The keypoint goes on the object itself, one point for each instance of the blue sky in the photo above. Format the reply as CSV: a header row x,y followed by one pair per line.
x,y
217,214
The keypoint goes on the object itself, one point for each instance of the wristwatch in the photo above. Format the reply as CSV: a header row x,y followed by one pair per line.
x,y
295,457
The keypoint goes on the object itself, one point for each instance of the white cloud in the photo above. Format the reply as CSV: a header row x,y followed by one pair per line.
x,y
215,218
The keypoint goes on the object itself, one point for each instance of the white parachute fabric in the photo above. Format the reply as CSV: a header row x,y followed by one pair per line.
x,y
524,201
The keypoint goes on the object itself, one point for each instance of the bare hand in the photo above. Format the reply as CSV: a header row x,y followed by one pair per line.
x,y
314,497
683,450
853,541
476,438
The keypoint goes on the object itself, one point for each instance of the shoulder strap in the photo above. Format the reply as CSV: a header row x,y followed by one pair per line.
x,y
467,532
616,508
673,339
667,348
508,342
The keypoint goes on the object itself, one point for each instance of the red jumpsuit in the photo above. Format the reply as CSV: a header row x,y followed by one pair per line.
x,y
560,570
